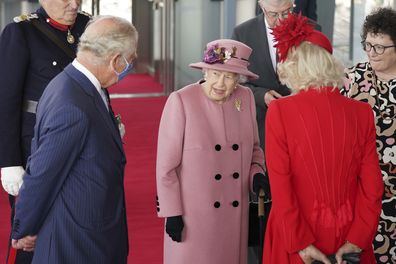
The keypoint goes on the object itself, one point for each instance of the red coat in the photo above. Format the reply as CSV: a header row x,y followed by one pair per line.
x,y
324,174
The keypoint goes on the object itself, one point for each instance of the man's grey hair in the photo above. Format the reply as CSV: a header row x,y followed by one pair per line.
x,y
121,37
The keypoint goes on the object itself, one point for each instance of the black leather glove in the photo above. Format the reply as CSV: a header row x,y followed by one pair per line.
x,y
261,181
350,258
174,227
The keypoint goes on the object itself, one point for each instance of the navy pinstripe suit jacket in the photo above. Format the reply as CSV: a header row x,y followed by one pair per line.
x,y
73,193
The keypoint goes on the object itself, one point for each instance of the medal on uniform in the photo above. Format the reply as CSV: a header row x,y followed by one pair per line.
x,y
237,104
70,38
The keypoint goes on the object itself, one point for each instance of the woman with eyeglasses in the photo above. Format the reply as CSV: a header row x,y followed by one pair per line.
x,y
374,82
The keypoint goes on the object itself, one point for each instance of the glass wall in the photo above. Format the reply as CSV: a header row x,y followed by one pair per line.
x,y
349,18
109,7
173,33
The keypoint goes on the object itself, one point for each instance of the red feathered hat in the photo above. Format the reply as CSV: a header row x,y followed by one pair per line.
x,y
295,29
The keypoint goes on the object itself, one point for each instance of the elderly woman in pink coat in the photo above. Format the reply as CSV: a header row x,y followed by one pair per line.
x,y
208,159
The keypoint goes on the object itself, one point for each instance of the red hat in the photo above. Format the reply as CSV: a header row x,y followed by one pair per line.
x,y
295,29
226,55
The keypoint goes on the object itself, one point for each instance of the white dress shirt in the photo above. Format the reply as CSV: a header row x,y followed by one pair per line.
x,y
271,43
92,79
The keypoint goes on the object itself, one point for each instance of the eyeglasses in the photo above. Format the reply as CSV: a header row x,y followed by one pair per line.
x,y
379,49
278,15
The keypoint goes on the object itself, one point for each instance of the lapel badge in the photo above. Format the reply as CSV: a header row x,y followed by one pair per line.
x,y
118,119
237,104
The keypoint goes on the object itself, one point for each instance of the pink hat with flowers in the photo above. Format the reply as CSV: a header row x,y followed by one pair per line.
x,y
226,55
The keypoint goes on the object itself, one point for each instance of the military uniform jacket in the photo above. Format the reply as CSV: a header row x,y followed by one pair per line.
x,y
29,60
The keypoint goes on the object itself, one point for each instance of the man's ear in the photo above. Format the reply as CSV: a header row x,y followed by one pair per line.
x,y
114,62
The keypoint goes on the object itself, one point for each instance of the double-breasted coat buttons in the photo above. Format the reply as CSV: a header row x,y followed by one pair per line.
x,y
218,176
235,147
158,208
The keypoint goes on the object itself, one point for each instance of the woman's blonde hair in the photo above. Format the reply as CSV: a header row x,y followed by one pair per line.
x,y
309,65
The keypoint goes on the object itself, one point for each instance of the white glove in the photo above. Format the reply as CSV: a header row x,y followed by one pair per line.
x,y
121,127
12,179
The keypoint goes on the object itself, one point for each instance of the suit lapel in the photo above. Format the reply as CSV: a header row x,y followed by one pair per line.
x,y
263,43
91,91
108,119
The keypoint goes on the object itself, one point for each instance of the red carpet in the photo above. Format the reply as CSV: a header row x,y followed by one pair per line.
x,y
137,83
141,118
4,224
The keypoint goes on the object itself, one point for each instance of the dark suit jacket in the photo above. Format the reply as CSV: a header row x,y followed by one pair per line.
x,y
73,193
254,34
29,61
307,8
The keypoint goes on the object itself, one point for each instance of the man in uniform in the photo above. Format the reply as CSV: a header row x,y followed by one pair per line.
x,y
33,50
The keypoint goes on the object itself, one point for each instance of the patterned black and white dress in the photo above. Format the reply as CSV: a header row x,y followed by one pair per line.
x,y
362,84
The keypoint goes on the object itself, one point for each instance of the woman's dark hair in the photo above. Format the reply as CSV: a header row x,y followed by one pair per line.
x,y
380,21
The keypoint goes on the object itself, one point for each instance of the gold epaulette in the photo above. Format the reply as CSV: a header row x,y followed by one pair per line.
x,y
85,13
25,17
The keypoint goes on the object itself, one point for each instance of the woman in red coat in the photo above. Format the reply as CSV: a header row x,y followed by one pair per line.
x,y
321,157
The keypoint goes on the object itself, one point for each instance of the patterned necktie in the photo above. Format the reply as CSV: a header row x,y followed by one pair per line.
x,y
106,93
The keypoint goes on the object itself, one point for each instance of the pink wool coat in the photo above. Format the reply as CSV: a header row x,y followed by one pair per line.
x,y
207,156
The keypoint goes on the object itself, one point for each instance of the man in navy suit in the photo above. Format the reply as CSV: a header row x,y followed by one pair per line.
x,y
72,197
29,60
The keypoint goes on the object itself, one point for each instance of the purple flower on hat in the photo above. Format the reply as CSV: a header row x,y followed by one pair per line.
x,y
216,54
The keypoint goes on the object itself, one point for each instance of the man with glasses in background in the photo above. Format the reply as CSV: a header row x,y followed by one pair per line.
x,y
256,33
33,50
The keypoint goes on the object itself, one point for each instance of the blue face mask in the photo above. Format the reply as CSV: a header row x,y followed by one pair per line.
x,y
125,71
